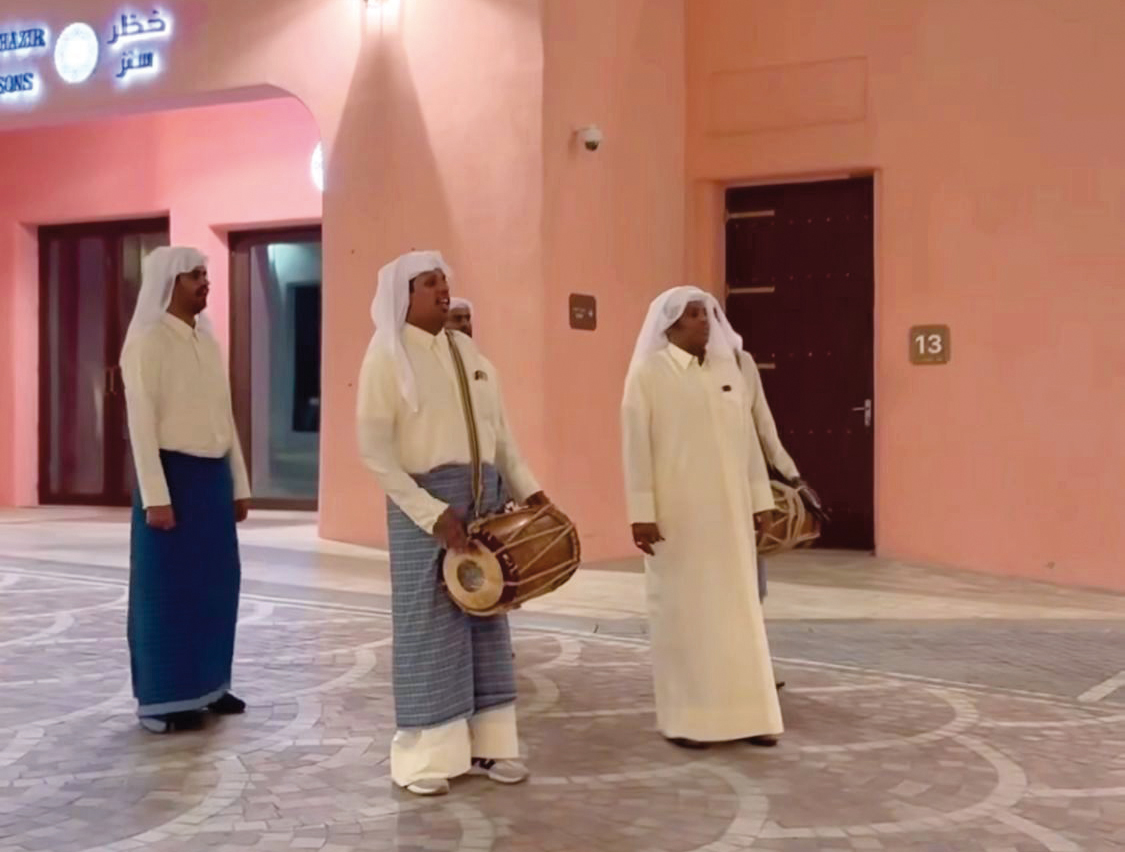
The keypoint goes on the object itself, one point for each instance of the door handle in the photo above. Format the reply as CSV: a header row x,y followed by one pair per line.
x,y
868,411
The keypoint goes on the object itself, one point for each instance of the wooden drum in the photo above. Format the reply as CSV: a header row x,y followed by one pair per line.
x,y
512,558
791,525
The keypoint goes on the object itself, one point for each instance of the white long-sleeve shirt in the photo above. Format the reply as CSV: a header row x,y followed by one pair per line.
x,y
178,398
396,442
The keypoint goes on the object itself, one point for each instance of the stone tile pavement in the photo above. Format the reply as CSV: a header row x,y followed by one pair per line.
x,y
970,731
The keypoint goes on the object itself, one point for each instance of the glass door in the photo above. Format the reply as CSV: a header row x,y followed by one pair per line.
x,y
275,362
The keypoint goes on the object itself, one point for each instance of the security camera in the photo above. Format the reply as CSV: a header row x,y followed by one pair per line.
x,y
591,137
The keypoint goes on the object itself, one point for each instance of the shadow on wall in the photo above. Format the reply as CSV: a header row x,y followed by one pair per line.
x,y
372,214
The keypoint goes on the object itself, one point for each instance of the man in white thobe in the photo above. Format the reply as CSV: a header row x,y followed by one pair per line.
x,y
453,675
694,484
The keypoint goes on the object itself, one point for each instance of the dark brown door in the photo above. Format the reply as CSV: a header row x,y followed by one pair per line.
x,y
90,276
801,290
275,362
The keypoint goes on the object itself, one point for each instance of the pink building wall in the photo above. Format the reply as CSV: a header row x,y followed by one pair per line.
x,y
999,155
998,160
439,144
433,115
213,169
476,153
613,226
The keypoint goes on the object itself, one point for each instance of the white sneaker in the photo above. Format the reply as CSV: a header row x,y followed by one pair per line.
x,y
429,787
500,771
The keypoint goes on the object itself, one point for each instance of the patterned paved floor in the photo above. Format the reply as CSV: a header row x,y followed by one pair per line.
x,y
1023,752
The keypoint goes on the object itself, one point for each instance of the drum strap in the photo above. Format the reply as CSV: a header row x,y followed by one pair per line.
x,y
470,422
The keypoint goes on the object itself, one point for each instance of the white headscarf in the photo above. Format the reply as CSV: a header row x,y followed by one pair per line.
x,y
457,304
668,307
392,303
158,274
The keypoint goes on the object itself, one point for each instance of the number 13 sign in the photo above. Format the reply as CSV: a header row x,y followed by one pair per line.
x,y
929,344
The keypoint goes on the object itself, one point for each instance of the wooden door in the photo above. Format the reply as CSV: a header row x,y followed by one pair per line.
x,y
89,280
801,290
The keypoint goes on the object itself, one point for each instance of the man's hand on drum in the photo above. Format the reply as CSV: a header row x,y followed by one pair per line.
x,y
450,531
646,537
811,500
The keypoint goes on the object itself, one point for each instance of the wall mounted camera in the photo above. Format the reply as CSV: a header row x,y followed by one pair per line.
x,y
591,137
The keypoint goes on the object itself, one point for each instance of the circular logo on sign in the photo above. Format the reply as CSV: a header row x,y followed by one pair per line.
x,y
76,53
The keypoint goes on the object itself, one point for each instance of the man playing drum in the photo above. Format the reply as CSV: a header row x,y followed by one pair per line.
x,y
694,482
454,679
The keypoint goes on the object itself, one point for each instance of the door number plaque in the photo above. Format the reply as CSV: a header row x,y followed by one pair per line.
x,y
929,344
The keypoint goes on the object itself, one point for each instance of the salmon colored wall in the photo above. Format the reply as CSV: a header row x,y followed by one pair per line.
x,y
1000,160
449,123
325,54
439,146
411,161
613,225
213,169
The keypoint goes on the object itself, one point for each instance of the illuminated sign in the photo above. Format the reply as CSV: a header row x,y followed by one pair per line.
x,y
135,61
19,47
78,52
31,39
128,30
14,84
131,29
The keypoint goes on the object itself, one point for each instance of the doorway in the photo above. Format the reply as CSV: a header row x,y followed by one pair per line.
x,y
800,263
89,278
275,362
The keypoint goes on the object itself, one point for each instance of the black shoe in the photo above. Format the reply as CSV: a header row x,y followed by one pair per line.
x,y
228,705
172,723
763,740
188,720
683,742
780,685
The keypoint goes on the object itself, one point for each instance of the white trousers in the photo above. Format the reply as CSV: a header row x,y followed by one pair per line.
x,y
447,751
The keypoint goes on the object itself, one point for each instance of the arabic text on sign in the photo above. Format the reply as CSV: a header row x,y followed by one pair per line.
x,y
23,40
130,28
137,62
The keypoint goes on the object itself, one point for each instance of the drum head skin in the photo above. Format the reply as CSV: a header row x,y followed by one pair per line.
x,y
475,579
515,556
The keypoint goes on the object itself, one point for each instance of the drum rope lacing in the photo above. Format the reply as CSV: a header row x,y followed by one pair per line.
x,y
524,538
